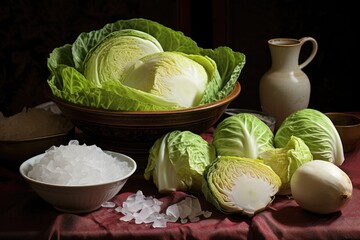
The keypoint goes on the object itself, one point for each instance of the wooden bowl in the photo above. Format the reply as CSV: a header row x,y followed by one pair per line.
x,y
133,133
23,144
348,127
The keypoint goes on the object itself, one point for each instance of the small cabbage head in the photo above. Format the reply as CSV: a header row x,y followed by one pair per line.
x,y
316,130
239,185
284,161
242,135
177,160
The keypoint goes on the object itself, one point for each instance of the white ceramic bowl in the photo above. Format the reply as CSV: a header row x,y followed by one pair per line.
x,y
77,199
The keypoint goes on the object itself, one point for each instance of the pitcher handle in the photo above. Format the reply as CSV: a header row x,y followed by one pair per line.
x,y
313,52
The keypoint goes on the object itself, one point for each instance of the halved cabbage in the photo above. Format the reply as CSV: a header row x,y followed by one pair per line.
x,y
177,77
239,185
116,52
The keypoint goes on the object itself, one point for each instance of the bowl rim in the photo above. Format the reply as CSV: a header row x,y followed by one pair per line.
x,y
40,138
234,93
25,165
346,114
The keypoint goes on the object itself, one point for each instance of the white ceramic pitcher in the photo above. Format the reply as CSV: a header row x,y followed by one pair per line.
x,y
285,88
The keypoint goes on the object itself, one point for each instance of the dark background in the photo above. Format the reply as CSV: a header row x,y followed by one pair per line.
x,y
30,30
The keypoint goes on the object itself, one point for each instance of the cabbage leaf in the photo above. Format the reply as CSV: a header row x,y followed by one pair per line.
x,y
284,161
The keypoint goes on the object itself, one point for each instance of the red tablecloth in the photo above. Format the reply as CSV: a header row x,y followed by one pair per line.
x,y
23,215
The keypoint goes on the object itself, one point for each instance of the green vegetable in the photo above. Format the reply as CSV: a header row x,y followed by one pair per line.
x,y
116,52
284,161
316,130
242,135
73,71
178,77
177,161
239,185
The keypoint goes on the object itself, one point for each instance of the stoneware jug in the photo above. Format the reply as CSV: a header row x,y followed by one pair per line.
x,y
285,88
